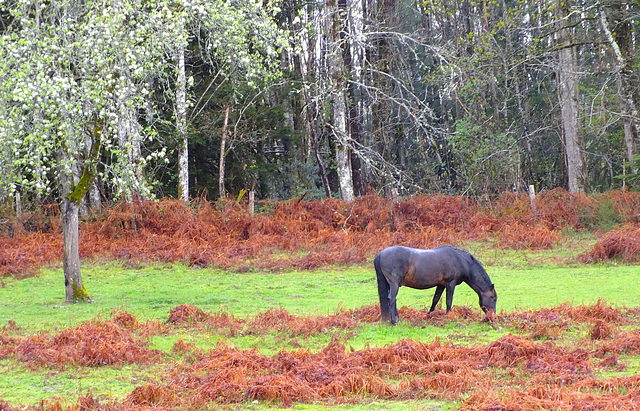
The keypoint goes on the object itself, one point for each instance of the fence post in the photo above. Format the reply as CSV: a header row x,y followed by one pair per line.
x,y
252,196
532,198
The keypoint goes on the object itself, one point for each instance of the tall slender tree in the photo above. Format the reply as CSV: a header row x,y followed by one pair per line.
x,y
568,88
337,38
617,27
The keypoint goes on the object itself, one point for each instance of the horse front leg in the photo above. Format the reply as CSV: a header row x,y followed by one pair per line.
x,y
436,297
450,287
393,294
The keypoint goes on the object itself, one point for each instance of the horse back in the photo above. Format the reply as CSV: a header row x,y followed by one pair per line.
x,y
423,269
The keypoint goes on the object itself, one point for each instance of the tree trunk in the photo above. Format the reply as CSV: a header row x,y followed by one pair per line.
x,y
621,42
343,158
569,106
75,290
354,57
223,143
181,126
83,209
338,99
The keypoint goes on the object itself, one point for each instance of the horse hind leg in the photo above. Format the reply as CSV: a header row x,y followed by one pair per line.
x,y
436,297
383,294
393,294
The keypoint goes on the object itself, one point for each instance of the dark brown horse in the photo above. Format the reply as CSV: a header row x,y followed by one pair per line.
x,y
443,267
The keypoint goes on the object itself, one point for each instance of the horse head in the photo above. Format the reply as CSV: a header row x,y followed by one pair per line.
x,y
488,299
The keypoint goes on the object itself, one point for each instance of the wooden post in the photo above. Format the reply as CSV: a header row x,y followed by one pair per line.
x,y
19,227
18,206
624,173
252,196
532,198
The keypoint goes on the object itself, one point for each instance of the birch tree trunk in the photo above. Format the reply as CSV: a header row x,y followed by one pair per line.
x,y
621,43
223,144
355,56
181,127
338,97
569,106
343,155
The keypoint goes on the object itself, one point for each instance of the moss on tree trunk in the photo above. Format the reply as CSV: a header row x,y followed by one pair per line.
x,y
75,290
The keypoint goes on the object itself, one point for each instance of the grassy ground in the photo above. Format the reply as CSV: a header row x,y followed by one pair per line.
x,y
150,292
524,281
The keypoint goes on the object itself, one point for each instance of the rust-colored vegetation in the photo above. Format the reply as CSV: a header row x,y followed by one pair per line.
x,y
622,244
311,234
512,372
91,344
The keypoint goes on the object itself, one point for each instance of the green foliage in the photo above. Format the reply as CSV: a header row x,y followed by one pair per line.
x,y
484,161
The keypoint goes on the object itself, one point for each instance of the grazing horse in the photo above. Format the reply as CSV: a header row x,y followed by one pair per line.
x,y
443,267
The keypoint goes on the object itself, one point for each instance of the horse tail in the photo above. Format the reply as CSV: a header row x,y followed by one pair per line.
x,y
383,290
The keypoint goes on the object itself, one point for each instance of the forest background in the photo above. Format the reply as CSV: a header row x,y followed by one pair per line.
x,y
332,99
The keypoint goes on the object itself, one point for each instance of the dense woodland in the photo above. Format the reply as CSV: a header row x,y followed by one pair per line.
x,y
337,99
416,122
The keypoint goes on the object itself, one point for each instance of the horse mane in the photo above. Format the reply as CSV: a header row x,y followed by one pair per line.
x,y
479,268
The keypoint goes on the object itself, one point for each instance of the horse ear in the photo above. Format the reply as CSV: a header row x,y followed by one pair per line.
x,y
493,287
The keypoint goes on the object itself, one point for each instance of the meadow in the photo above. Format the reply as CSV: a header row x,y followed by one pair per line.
x,y
281,310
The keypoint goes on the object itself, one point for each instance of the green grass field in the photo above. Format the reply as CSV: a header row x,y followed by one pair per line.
x,y
524,281
150,292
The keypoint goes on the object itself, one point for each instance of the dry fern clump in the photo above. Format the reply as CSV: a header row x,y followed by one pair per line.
x,y
93,343
526,237
558,209
623,244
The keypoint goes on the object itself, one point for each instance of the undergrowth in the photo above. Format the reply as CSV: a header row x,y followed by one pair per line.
x,y
311,234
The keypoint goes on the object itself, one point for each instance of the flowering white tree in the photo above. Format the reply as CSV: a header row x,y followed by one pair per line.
x,y
70,71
